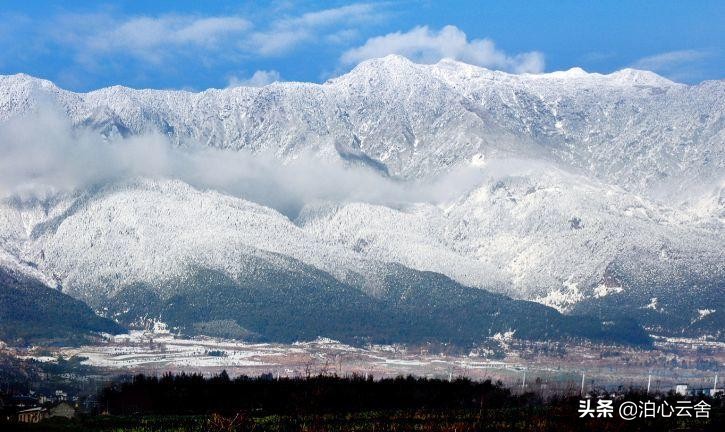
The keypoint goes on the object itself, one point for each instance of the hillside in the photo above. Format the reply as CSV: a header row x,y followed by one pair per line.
x,y
593,194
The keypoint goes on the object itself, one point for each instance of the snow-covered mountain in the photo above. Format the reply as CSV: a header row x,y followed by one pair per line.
x,y
632,128
592,191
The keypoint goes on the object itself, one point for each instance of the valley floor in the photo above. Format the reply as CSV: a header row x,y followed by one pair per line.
x,y
545,368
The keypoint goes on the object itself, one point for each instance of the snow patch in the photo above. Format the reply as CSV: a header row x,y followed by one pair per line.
x,y
603,290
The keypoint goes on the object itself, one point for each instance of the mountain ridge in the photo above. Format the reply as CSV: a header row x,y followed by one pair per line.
x,y
394,132
583,190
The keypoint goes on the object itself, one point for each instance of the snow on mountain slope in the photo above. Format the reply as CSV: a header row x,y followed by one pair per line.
x,y
530,231
533,233
631,128
587,181
147,231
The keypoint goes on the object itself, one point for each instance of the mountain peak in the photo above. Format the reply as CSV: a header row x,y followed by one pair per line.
x,y
25,79
389,62
395,68
574,72
639,77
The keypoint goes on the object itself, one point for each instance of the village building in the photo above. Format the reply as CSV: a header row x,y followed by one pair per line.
x,y
63,409
32,415
37,414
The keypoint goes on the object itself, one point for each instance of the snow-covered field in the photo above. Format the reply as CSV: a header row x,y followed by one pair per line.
x,y
158,351
148,350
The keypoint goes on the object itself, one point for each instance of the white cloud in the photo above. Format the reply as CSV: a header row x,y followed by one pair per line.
x,y
260,78
350,14
682,65
423,45
161,38
669,59
43,155
288,32
277,42
149,37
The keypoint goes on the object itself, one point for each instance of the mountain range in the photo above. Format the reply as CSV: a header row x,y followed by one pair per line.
x,y
400,202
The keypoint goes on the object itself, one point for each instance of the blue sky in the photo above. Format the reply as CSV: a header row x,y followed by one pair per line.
x,y
195,45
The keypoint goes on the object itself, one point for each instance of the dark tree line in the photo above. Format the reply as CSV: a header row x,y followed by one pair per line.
x,y
194,394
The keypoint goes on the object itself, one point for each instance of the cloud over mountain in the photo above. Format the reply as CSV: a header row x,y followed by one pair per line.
x,y
44,155
258,79
423,45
